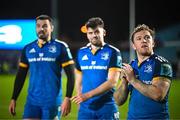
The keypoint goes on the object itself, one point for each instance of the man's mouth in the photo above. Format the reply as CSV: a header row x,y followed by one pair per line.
x,y
144,46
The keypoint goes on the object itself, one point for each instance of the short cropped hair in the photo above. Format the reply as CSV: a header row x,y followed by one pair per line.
x,y
142,27
45,17
95,22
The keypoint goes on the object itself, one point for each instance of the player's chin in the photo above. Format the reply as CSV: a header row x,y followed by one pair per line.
x,y
146,53
43,37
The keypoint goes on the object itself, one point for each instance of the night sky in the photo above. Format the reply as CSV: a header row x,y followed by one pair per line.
x,y
72,14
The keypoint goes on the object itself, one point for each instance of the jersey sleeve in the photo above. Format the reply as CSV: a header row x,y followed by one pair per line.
x,y
77,63
115,60
163,69
66,56
23,60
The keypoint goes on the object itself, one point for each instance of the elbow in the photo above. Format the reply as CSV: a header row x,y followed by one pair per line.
x,y
119,101
112,84
158,97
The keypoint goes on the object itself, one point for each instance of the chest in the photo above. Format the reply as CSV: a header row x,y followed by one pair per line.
x,y
99,61
49,53
145,72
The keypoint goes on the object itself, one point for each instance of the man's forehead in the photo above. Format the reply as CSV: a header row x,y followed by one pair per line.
x,y
42,21
94,29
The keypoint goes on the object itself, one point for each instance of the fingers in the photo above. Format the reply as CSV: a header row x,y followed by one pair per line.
x,y
12,108
77,99
127,67
65,112
65,108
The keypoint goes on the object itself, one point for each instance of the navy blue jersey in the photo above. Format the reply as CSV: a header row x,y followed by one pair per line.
x,y
94,68
45,65
140,106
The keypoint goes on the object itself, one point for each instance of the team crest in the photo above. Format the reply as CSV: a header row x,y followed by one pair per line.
x,y
105,56
148,69
52,49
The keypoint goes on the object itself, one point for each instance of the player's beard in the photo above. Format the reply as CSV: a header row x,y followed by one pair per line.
x,y
42,35
96,42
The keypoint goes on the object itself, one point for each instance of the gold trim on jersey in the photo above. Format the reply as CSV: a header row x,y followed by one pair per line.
x,y
115,69
78,71
162,78
67,63
23,65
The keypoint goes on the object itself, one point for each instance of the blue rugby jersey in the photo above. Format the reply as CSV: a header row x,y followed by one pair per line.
x,y
140,106
94,68
45,65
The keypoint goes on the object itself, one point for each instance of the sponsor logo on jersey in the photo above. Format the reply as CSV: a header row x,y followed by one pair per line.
x,y
32,50
41,54
91,67
93,62
85,57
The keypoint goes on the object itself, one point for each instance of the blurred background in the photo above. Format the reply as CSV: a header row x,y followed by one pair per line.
x,y
69,15
17,27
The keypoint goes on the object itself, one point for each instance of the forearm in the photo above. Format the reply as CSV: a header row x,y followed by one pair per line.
x,y
19,82
102,88
70,80
121,93
151,91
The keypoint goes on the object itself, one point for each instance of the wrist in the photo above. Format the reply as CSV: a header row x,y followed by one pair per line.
x,y
67,98
132,81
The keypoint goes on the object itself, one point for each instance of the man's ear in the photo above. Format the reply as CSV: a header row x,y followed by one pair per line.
x,y
133,46
104,32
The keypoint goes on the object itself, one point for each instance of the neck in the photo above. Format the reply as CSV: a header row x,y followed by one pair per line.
x,y
43,41
94,47
142,58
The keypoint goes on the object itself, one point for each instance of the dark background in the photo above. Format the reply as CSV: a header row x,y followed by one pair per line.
x,y
72,14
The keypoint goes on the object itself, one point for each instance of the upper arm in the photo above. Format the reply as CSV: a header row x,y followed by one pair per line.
x,y
66,56
162,75
78,75
162,84
113,75
115,66
23,60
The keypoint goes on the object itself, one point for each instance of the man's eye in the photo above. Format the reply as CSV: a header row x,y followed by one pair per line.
x,y
146,37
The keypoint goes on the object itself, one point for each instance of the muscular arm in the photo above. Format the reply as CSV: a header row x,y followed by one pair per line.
x,y
113,76
69,70
122,92
156,91
19,82
78,82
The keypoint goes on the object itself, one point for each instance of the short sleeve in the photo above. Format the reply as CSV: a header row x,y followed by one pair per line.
x,y
116,59
65,54
77,62
164,69
23,58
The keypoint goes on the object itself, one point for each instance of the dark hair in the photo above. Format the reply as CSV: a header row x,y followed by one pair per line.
x,y
44,17
140,28
95,22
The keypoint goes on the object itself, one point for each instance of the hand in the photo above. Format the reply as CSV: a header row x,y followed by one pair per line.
x,y
66,107
122,74
12,107
129,73
80,98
